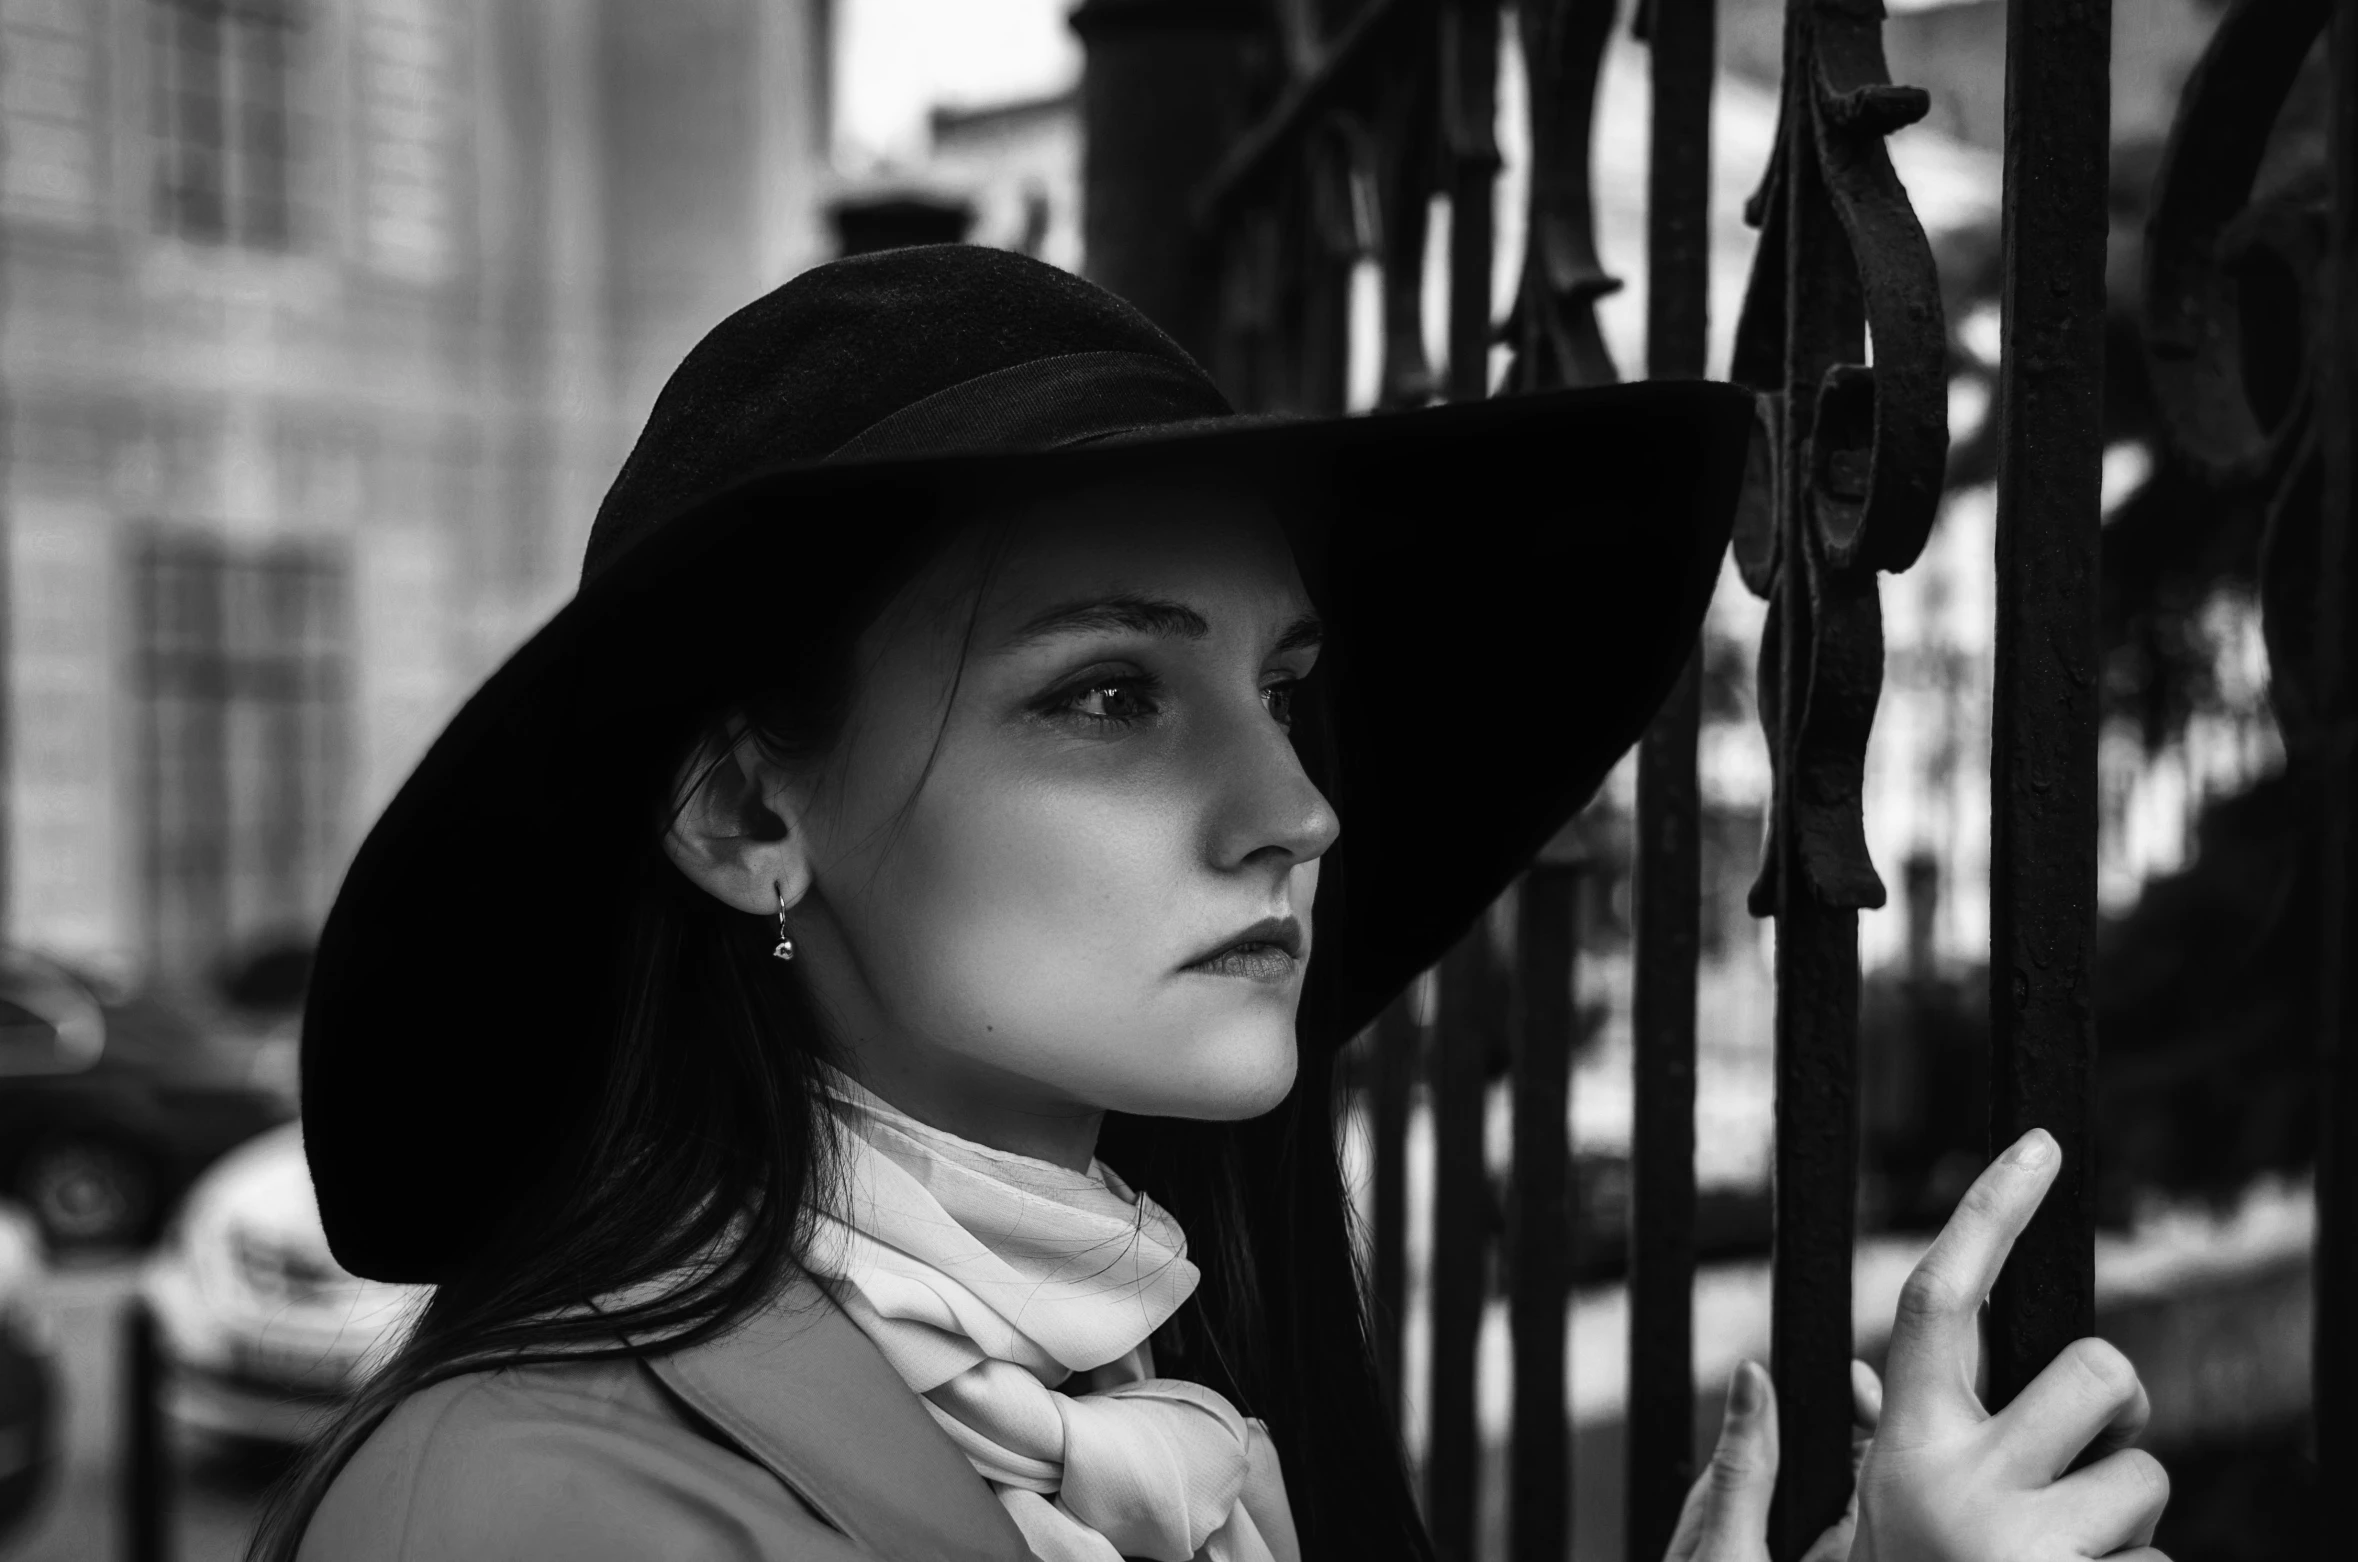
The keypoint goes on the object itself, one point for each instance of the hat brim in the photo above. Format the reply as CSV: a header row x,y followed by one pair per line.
x,y
1510,587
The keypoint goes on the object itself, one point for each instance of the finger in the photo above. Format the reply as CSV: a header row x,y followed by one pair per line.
x,y
2112,1505
2088,1397
1866,1396
1927,1377
1742,1475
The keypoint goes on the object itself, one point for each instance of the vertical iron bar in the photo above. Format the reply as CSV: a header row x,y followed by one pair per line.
x,y
2043,746
1163,94
1472,1028
1469,113
1668,873
2335,1362
1407,140
146,1471
1817,972
1817,960
1539,1217
1397,1044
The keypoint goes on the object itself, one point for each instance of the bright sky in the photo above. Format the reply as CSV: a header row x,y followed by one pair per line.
x,y
897,58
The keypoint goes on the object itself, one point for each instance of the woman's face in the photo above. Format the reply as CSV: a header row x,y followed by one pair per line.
x,y
1036,829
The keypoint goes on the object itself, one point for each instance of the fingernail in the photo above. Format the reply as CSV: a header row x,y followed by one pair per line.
x,y
1744,1390
2033,1150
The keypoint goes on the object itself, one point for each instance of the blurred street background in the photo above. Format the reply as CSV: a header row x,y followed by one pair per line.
x,y
324,325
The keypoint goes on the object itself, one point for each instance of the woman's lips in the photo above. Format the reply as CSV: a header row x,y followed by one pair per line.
x,y
1255,962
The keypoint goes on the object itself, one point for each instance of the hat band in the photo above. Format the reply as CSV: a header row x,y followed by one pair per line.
x,y
1041,404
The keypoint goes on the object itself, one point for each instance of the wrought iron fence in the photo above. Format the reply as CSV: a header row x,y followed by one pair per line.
x,y
1245,155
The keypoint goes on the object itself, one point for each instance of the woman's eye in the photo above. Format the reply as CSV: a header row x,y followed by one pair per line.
x,y
1279,697
1110,701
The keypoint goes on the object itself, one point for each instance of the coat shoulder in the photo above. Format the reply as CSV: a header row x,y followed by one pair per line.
x,y
587,1461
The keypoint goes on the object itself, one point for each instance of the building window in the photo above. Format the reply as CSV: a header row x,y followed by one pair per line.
x,y
410,115
49,97
244,706
224,104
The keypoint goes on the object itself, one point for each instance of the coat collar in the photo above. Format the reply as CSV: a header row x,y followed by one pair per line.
x,y
800,1388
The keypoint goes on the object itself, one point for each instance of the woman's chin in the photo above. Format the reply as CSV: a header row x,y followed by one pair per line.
x,y
1240,1076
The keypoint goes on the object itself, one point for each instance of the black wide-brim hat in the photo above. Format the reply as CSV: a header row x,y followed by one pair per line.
x,y
1510,588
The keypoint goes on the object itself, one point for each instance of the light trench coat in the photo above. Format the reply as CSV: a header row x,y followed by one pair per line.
x,y
790,1439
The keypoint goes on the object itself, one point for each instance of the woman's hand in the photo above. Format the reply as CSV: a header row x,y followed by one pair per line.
x,y
1726,1514
1946,1481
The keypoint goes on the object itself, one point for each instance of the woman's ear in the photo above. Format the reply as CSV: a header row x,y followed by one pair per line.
x,y
738,832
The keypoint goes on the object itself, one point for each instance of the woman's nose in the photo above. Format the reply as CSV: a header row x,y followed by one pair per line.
x,y
1265,802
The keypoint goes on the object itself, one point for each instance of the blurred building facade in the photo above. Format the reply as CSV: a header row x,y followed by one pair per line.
x,y
323,325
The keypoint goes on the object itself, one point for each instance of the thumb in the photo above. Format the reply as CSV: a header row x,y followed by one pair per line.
x,y
1732,1515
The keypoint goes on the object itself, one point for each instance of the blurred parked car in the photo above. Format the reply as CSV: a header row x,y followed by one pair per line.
x,y
28,1377
111,1103
261,1331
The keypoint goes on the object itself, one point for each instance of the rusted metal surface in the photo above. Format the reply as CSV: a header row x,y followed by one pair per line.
x,y
1539,1234
1553,325
2043,744
1668,868
1858,460
2204,233
1472,1028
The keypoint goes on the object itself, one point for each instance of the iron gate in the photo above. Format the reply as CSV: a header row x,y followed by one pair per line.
x,y
1242,242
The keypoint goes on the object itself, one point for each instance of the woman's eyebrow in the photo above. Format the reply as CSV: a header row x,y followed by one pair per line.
x,y
1122,612
1128,613
1302,633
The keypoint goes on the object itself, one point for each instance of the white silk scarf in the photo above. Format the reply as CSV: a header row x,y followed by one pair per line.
x,y
1015,1297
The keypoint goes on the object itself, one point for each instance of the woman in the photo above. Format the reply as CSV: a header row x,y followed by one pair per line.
x,y
835,1015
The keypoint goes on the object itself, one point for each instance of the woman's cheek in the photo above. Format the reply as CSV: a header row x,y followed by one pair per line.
x,y
1030,917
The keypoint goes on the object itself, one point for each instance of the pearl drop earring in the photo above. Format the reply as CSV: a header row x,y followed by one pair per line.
x,y
785,949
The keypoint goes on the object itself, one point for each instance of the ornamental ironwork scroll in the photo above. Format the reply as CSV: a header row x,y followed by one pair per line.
x,y
1854,457
2237,399
2262,398
1553,324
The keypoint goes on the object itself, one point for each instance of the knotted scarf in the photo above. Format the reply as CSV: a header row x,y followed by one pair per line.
x,y
1015,1297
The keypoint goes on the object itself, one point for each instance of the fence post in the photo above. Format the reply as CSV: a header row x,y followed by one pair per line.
x,y
147,1464
2335,1397
1540,1226
1164,93
2043,745
1859,454
1469,112
1472,1032
1659,1437
1816,961
1398,1052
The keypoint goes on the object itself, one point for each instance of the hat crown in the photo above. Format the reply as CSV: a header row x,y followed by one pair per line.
x,y
802,370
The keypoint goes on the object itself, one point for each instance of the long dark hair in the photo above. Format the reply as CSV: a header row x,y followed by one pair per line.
x,y
693,1174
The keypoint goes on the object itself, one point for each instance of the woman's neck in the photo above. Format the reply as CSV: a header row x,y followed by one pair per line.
x,y
984,1105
